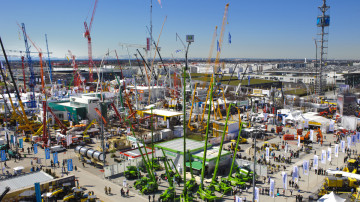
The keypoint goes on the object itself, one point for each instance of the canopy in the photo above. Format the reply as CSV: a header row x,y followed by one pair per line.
x,y
331,198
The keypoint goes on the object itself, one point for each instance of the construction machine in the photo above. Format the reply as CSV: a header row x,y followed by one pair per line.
x,y
86,137
353,166
244,173
79,195
169,194
234,181
339,184
132,173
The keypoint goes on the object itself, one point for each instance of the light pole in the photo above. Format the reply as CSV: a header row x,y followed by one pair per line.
x,y
255,133
189,39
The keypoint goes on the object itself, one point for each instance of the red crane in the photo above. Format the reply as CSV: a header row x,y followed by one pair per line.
x,y
77,79
87,35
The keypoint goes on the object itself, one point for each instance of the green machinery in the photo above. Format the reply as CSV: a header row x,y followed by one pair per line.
x,y
145,185
131,173
244,173
235,181
169,194
208,193
172,174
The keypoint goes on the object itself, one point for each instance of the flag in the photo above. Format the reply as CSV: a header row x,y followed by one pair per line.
x,y
160,3
323,157
272,188
312,135
69,165
306,125
229,38
336,150
353,140
47,153
343,146
68,140
238,198
35,149
257,194
299,141
267,154
218,46
284,180
316,161
21,143
329,154
249,78
37,192
358,136
349,141
55,157
295,173
128,130
3,155
306,167
286,148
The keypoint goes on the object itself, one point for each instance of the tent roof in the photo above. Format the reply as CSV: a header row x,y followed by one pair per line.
x,y
331,198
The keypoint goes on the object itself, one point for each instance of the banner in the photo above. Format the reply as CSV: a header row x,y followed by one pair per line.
x,y
306,167
349,142
312,135
329,154
331,126
323,157
257,198
284,180
353,140
336,150
272,188
37,192
55,157
316,161
128,130
3,155
238,198
21,143
47,153
295,173
358,136
298,141
306,125
68,140
343,146
69,165
286,148
35,149
267,154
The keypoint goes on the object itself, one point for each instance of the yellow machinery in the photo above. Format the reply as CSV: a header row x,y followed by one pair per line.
x,y
78,195
352,165
192,106
86,137
339,184
117,143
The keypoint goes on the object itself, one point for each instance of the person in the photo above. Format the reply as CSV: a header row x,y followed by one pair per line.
x,y
28,149
109,190
106,190
75,168
154,197
291,192
122,191
149,198
244,199
83,164
127,192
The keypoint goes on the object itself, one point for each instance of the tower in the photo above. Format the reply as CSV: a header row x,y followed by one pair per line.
x,y
323,22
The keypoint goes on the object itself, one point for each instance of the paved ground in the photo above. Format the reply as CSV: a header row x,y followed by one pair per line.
x,y
92,177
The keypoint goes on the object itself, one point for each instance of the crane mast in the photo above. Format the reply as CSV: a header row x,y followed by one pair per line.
x,y
87,35
32,82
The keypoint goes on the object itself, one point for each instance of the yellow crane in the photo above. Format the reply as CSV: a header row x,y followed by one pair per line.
x,y
85,135
192,106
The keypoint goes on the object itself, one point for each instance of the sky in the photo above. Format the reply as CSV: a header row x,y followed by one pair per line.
x,y
259,28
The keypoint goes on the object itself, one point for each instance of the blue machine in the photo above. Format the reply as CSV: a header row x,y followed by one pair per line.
x,y
32,81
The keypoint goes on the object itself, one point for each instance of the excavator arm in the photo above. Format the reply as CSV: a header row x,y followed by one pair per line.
x,y
61,125
100,115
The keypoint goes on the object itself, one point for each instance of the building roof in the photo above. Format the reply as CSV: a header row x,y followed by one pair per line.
x,y
177,145
25,180
211,154
166,113
134,153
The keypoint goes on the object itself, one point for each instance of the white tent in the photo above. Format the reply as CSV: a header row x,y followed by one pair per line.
x,y
331,198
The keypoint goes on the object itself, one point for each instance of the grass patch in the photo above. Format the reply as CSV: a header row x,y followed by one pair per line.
x,y
194,136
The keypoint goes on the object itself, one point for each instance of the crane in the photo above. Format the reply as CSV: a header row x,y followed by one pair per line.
x,y
50,68
76,73
87,35
23,68
40,57
32,82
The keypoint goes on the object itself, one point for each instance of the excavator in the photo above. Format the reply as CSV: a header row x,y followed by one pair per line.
x,y
319,136
328,112
169,194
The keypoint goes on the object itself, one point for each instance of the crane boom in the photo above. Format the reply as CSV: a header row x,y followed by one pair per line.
x,y
61,125
50,68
